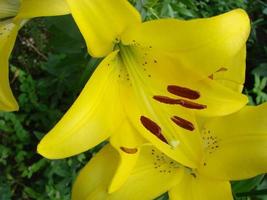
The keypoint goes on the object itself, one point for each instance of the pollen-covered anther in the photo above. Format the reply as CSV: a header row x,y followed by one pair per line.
x,y
164,99
183,92
129,150
182,102
153,127
222,69
211,76
191,105
183,123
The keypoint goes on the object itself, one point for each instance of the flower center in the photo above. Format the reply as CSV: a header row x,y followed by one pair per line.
x,y
9,8
134,60
136,70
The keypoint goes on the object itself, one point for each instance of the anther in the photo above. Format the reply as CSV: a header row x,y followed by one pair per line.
x,y
222,69
129,150
164,99
183,123
153,128
183,92
182,102
191,105
211,77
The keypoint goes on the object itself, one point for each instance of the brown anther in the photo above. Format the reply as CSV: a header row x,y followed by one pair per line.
x,y
211,76
222,69
153,127
193,174
164,99
182,102
129,150
191,105
183,123
183,92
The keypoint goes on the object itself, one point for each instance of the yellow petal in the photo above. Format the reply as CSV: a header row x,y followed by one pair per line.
x,y
9,8
204,44
152,176
92,118
239,144
123,171
233,77
93,180
33,8
102,22
8,34
200,188
127,141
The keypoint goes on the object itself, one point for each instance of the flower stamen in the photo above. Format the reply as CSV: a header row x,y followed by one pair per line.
x,y
183,123
153,127
190,104
183,92
182,102
129,150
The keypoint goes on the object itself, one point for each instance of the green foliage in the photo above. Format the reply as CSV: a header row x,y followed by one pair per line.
x,y
50,66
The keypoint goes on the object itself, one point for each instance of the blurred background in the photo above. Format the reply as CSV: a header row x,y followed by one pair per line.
x,y
49,67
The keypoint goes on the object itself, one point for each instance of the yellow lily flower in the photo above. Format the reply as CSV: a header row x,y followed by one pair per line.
x,y
13,15
165,57
234,149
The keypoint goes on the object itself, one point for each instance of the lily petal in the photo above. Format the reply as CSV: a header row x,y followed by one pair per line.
x,y
240,142
33,8
127,142
8,8
147,181
102,22
200,188
8,33
234,76
93,180
204,44
92,118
